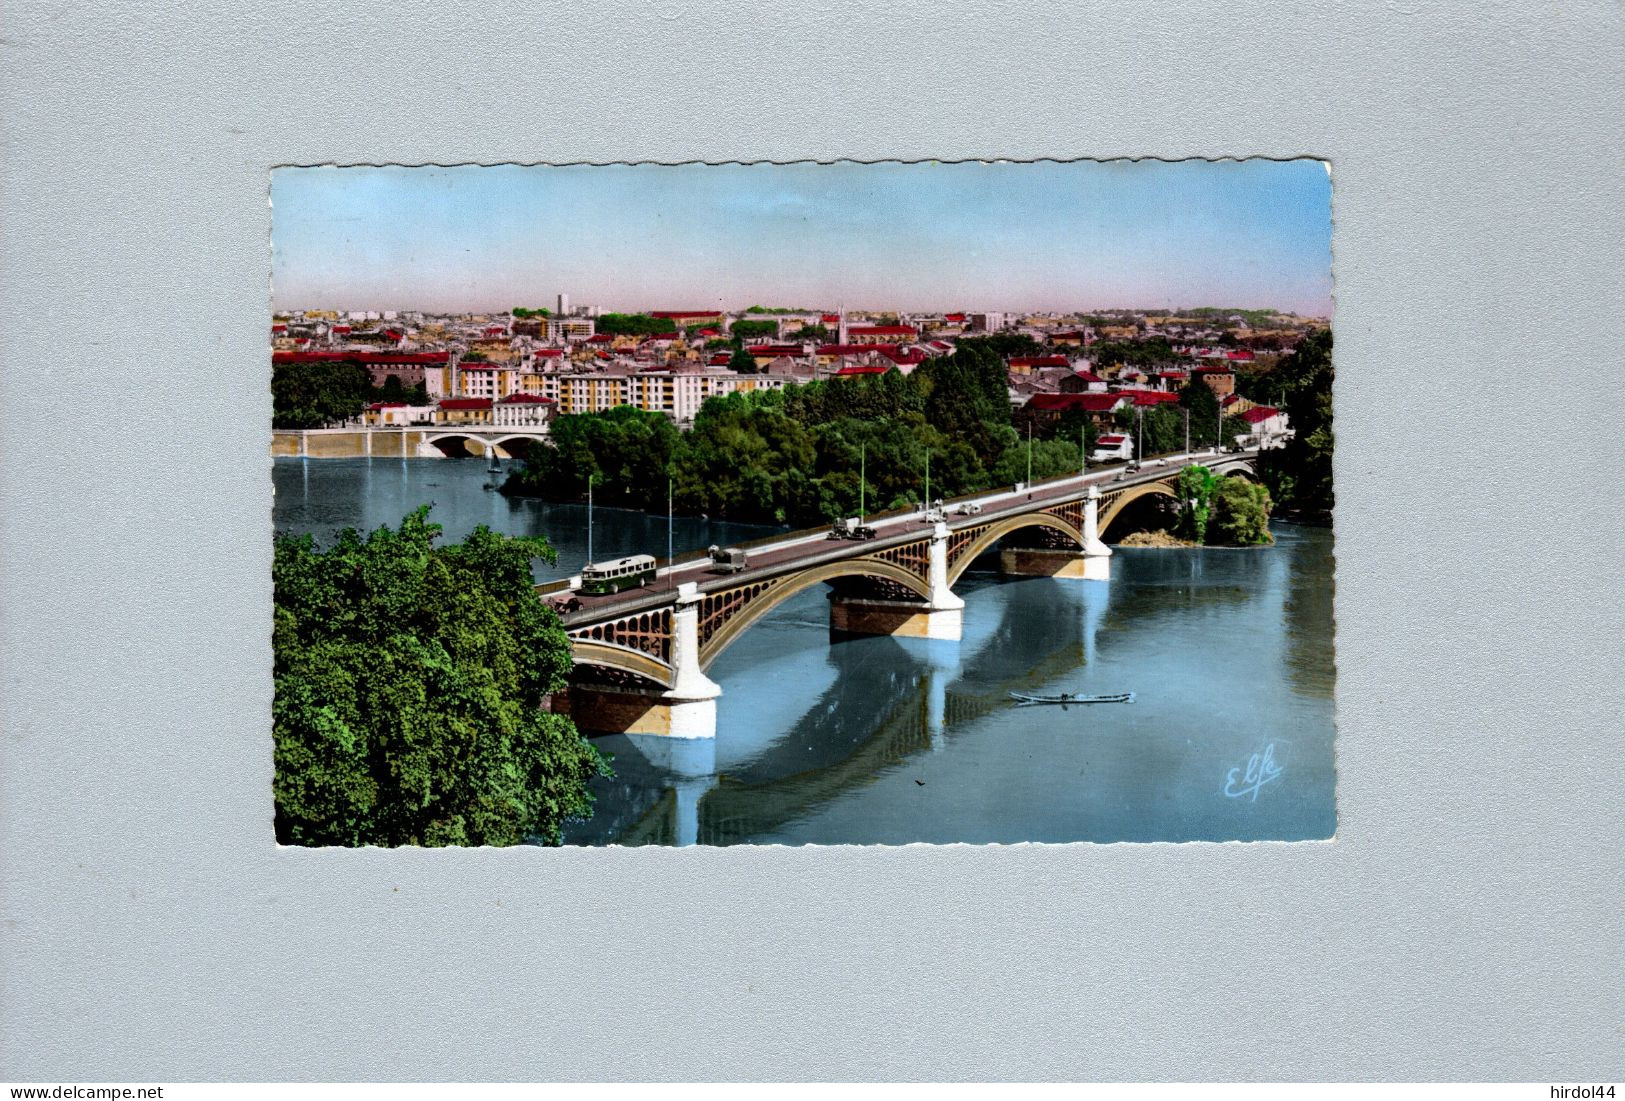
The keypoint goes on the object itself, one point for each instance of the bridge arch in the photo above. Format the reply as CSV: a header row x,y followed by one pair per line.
x,y
1128,497
472,446
622,659
729,630
475,444
998,530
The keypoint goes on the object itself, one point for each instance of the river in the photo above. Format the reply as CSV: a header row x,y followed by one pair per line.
x,y
894,741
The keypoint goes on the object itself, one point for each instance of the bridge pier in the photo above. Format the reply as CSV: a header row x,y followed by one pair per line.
x,y
688,709
939,617
1092,563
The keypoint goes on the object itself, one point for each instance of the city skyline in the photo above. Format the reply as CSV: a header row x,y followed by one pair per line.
x,y
1034,236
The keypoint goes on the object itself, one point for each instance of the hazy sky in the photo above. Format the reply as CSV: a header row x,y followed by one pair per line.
x,y
1043,236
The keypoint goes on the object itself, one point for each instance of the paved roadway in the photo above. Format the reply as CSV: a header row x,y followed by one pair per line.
x,y
798,550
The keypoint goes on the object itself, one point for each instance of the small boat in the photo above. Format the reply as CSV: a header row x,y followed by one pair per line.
x,y
1066,698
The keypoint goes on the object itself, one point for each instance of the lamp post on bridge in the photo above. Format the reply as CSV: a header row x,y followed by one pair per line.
x,y
863,462
1029,458
590,477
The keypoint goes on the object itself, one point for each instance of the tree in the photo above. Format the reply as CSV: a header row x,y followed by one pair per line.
x,y
410,683
742,362
1300,474
812,332
1196,487
750,330
307,394
1241,513
522,312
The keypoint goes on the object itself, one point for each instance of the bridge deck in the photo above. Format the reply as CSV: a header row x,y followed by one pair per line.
x,y
799,550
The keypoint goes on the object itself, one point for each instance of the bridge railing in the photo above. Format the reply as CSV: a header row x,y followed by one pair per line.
x,y
666,565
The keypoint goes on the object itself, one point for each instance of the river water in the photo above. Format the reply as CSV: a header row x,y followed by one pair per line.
x,y
893,741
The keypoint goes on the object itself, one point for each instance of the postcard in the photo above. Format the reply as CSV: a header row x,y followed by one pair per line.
x,y
803,504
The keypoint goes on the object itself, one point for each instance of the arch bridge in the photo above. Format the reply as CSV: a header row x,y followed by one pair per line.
x,y
481,441
642,655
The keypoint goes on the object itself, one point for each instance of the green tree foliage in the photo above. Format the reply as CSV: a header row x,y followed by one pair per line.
x,y
634,324
1001,345
742,362
1300,474
626,451
752,330
812,332
522,312
317,394
1196,487
409,688
793,455
1241,512
394,390
1154,352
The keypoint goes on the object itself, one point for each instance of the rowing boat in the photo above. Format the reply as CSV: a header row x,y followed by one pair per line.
x,y
1072,697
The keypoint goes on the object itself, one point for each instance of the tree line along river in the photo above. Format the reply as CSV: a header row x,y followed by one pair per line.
x,y
894,741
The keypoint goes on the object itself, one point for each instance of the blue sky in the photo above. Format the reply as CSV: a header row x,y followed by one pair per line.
x,y
999,236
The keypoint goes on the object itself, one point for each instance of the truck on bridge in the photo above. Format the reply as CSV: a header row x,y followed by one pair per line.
x,y
851,528
726,559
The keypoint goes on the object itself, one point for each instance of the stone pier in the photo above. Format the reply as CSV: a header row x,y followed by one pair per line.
x,y
939,617
1093,562
688,709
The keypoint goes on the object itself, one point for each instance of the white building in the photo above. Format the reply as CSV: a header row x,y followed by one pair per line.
x,y
523,411
1113,448
1268,428
562,329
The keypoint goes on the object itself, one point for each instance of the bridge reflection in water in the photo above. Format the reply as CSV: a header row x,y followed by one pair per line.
x,y
883,701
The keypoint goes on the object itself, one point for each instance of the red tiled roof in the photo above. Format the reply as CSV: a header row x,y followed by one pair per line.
x,y
1259,413
377,405
906,358
1040,361
378,358
600,338
1088,376
956,318
774,349
721,359
882,330
525,399
549,353
1241,355
878,369
832,317
279,328
465,403
1149,397
854,349
1089,403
